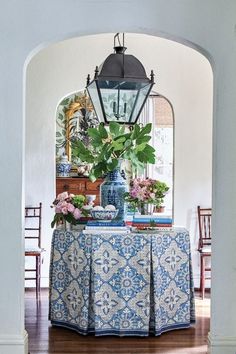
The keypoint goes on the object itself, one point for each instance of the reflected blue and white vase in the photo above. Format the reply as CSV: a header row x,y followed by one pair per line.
x,y
112,192
63,167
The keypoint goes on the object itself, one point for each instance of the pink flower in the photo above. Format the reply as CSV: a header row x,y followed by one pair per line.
x,y
70,207
77,213
61,205
58,210
64,210
62,196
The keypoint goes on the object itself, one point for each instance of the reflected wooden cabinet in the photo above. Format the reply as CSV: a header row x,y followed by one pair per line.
x,y
79,185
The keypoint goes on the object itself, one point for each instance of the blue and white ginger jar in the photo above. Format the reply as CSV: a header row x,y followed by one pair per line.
x,y
63,167
112,192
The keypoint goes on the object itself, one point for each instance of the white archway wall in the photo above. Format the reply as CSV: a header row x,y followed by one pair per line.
x,y
208,26
187,81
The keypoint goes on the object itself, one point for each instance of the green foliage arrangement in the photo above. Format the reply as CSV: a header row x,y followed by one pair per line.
x,y
108,144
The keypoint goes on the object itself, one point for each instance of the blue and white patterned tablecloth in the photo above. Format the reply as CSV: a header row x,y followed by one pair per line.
x,y
121,284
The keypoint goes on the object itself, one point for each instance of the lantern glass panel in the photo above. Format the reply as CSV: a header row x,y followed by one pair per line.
x,y
122,100
141,98
94,96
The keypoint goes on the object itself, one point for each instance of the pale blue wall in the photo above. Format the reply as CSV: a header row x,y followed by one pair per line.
x,y
209,25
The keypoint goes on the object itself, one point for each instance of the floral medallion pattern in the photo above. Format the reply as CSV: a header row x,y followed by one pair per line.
x,y
121,284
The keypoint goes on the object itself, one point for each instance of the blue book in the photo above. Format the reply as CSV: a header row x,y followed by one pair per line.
x,y
106,223
148,220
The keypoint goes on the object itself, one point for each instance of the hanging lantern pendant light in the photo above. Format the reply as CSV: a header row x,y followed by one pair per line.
x,y
120,87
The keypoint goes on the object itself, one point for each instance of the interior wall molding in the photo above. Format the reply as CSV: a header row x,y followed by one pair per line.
x,y
14,344
221,344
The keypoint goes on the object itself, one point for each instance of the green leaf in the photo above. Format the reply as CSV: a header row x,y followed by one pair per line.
x,y
143,139
98,170
147,155
149,149
56,219
118,147
128,143
145,158
105,153
92,177
122,129
58,134
97,142
102,131
123,137
145,130
140,147
94,133
114,128
82,152
111,166
135,131
120,139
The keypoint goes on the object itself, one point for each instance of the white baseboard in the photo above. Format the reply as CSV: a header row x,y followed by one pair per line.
x,y
14,344
221,344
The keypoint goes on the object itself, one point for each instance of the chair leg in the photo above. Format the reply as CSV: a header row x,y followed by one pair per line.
x,y
202,277
37,275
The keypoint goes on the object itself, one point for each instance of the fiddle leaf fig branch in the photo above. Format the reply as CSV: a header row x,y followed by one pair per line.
x,y
108,144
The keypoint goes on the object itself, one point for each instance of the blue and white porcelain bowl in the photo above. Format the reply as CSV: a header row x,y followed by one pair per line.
x,y
104,214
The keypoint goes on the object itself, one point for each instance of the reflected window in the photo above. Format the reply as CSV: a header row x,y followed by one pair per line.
x,y
159,112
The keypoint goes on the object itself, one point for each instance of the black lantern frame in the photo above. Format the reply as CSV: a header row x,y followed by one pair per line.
x,y
120,87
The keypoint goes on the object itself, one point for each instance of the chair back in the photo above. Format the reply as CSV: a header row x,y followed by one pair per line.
x,y
33,217
204,222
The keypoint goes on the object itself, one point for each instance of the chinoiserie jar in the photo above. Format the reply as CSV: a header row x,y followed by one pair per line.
x,y
112,191
63,167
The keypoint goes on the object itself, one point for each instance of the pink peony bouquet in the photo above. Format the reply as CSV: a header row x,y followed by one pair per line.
x,y
143,191
69,207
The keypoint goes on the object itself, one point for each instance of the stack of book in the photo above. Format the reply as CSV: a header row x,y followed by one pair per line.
x,y
156,220
129,219
96,226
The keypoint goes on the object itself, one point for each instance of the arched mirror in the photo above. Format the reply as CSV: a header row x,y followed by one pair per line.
x,y
75,114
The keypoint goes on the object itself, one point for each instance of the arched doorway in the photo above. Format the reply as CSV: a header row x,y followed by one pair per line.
x,y
182,99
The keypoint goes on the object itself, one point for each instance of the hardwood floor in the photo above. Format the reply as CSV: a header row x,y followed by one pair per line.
x,y
44,339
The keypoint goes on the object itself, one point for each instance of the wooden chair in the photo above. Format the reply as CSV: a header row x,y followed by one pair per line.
x,y
33,219
204,244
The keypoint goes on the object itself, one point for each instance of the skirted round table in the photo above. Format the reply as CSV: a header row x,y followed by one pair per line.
x,y
122,284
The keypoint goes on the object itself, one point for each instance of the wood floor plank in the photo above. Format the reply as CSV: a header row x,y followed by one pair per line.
x,y
45,339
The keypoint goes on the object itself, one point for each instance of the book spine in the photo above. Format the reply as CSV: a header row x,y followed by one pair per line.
x,y
140,225
148,221
106,228
94,224
158,229
156,215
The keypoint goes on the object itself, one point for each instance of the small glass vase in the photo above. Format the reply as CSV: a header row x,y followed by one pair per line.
x,y
146,208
